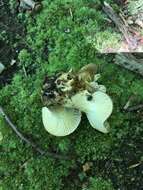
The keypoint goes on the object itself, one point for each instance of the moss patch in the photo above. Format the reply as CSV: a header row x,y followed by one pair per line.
x,y
55,40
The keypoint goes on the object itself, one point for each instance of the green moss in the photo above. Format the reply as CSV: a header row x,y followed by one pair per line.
x,y
135,6
56,40
99,184
102,41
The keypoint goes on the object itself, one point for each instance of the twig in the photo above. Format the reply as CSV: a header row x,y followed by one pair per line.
x,y
21,136
127,105
24,70
71,13
128,108
135,108
135,165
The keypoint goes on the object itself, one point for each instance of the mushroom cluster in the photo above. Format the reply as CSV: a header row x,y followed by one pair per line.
x,y
67,95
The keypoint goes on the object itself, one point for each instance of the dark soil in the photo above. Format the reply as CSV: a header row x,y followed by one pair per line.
x,y
10,45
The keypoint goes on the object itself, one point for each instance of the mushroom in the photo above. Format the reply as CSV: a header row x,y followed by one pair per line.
x,y
101,109
69,94
97,106
87,72
60,121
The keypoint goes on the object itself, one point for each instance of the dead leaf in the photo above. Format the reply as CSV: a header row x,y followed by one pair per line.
x,y
87,166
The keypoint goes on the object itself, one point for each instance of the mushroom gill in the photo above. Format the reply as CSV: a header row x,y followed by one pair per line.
x,y
60,121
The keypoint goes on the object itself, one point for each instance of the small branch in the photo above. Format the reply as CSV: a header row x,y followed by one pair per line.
x,y
127,105
21,136
135,165
24,70
129,62
135,108
71,14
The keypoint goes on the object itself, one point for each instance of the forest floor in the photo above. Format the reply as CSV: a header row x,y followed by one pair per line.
x,y
52,40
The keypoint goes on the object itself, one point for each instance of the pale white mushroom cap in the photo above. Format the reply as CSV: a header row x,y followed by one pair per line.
x,y
97,110
79,101
60,121
102,109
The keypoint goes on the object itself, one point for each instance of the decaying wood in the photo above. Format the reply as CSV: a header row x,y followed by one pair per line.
x,y
121,25
26,140
129,62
